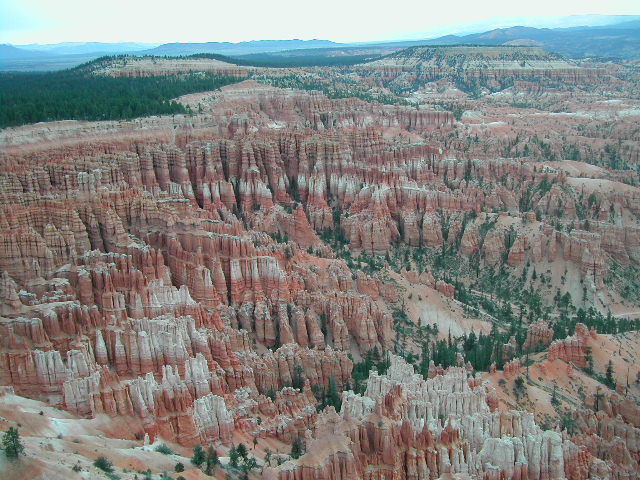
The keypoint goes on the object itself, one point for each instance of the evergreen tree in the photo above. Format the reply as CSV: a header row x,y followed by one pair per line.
x,y
277,343
554,397
271,393
233,457
212,461
199,455
74,94
609,380
470,342
597,397
11,443
589,359
297,380
242,450
333,396
568,423
248,465
498,356
297,448
318,392
424,361
445,353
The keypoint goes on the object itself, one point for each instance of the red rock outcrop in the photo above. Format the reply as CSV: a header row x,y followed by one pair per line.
x,y
512,368
539,335
572,349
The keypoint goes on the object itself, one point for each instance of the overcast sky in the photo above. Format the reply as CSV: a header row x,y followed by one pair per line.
x,y
157,21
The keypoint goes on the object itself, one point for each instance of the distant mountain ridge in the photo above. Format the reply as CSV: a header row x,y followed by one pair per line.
x,y
75,48
621,40
240,48
9,52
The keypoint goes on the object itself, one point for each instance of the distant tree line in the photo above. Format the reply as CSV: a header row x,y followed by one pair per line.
x,y
299,58
74,95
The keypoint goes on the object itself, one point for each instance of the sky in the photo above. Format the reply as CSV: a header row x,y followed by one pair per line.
x,y
158,21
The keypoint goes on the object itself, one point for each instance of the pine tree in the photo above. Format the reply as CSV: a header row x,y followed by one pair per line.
x,y
498,354
248,465
271,393
424,362
242,450
609,380
333,397
11,443
297,448
212,461
470,342
277,343
297,381
233,457
589,358
554,397
199,455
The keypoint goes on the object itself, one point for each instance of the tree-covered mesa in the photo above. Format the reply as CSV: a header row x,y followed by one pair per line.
x,y
76,95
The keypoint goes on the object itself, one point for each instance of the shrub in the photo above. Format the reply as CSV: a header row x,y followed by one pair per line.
x,y
164,449
519,388
179,467
103,464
